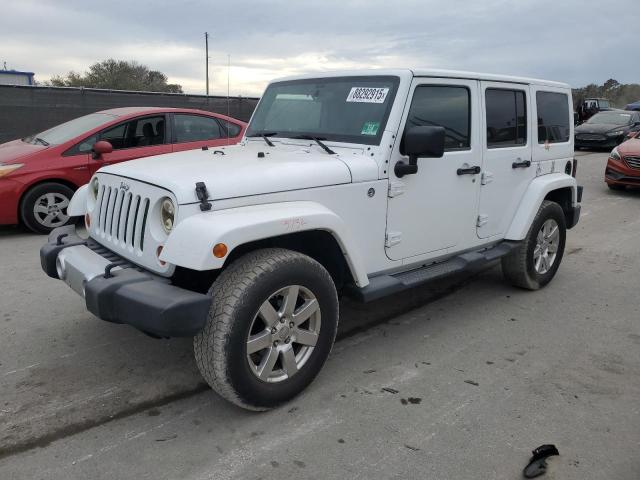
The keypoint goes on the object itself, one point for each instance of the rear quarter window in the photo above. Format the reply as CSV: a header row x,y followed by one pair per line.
x,y
553,117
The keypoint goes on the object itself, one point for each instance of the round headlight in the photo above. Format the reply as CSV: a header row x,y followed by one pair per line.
x,y
167,214
95,186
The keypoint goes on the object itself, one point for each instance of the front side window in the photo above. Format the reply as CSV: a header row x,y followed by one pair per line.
x,y
195,128
553,117
444,106
141,132
506,118
340,109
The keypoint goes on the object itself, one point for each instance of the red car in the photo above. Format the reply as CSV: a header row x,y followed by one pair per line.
x,y
623,166
39,173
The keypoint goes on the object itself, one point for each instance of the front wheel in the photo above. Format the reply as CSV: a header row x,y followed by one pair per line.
x,y
44,207
271,326
536,260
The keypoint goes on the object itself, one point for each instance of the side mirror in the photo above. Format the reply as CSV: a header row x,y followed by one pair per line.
x,y
100,148
420,142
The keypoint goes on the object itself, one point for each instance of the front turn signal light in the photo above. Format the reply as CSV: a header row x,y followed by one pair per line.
x,y
220,250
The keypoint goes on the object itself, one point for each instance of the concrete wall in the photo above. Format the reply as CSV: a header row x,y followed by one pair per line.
x,y
28,109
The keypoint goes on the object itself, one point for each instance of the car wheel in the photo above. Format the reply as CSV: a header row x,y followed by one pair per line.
x,y
536,260
614,186
44,207
270,329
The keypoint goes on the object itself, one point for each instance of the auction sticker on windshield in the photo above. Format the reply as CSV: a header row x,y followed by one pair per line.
x,y
367,95
370,128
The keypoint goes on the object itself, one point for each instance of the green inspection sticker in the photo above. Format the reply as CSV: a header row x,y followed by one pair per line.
x,y
370,128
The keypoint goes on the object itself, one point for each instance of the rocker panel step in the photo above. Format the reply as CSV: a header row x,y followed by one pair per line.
x,y
384,285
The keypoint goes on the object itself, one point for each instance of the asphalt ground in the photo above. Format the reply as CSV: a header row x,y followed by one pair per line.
x,y
483,372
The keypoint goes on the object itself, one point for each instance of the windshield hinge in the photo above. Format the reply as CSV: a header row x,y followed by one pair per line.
x,y
392,238
487,177
395,189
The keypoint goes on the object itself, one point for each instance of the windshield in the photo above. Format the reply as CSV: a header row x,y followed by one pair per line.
x,y
611,118
66,131
340,109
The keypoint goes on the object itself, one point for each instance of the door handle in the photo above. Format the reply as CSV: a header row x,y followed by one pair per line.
x,y
468,171
521,164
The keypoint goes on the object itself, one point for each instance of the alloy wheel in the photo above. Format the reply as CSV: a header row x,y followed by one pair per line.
x,y
283,334
546,249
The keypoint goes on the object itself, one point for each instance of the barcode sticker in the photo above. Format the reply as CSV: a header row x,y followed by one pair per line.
x,y
367,95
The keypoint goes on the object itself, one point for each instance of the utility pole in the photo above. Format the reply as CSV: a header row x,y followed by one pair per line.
x,y
206,48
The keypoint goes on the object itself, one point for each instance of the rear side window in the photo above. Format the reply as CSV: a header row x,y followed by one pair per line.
x,y
194,128
506,118
233,129
553,117
445,106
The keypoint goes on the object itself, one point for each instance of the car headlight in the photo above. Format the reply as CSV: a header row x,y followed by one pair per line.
x,y
95,188
617,133
167,214
615,154
7,169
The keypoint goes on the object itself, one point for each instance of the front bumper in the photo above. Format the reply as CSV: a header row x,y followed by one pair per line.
x,y
619,173
117,291
607,142
9,197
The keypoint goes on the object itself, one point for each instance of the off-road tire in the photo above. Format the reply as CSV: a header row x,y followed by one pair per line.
x,y
27,215
518,267
220,349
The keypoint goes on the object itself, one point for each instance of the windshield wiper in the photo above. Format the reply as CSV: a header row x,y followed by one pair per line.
x,y
266,136
41,140
318,141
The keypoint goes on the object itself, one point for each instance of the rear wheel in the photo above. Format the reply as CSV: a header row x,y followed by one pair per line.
x,y
271,326
536,260
44,207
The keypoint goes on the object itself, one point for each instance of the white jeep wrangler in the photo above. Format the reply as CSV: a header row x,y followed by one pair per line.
x,y
359,183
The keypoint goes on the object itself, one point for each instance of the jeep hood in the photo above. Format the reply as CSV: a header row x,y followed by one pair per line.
x,y
237,171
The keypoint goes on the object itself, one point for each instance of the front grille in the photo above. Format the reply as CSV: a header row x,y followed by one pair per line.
x,y
122,217
591,136
632,162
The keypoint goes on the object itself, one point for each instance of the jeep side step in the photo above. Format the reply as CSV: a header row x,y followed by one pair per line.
x,y
384,285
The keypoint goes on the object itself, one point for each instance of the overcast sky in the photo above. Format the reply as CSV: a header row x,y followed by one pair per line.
x,y
576,41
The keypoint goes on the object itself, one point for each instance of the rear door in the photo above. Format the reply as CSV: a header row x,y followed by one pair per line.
x,y
191,131
136,138
507,157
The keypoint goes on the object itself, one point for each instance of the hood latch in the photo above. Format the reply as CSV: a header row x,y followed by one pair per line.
x,y
203,195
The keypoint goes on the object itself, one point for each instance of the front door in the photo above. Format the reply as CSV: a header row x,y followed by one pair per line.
x,y
137,138
433,211
508,167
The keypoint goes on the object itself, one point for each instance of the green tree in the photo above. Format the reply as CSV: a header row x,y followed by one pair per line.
x,y
118,75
